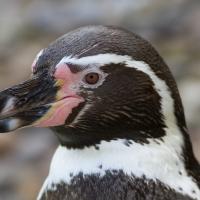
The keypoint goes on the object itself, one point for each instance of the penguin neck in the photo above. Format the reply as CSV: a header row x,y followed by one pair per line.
x,y
173,139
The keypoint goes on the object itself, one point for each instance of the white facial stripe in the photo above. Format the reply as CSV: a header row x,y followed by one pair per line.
x,y
100,59
160,85
36,59
155,161
167,103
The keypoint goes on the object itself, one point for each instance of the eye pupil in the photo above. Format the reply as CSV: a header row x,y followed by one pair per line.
x,y
92,78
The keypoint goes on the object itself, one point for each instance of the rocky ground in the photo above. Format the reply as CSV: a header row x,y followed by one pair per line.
x,y
172,26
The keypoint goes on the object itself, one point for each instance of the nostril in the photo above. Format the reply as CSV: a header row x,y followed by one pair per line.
x,y
21,101
24,100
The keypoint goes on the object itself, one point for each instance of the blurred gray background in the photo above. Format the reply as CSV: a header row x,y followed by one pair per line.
x,y
26,26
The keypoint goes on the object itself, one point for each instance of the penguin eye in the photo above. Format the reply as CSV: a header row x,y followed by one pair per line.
x,y
92,78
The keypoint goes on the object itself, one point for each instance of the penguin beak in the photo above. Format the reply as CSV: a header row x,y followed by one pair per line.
x,y
23,104
31,103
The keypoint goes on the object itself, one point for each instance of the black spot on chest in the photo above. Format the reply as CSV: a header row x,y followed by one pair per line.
x,y
112,186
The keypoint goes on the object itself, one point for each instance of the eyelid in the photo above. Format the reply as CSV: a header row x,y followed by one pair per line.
x,y
92,70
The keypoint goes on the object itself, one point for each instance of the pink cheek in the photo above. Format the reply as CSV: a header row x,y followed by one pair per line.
x,y
59,112
61,109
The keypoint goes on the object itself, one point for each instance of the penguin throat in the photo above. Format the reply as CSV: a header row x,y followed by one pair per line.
x,y
76,138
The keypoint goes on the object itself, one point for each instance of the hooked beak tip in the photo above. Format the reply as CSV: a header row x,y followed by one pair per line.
x,y
10,124
23,104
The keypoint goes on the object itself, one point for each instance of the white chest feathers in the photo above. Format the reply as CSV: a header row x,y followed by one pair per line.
x,y
156,161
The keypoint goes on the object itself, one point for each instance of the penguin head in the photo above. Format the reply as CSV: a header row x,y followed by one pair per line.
x,y
92,84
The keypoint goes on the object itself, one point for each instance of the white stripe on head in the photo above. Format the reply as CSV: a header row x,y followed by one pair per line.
x,y
160,85
100,59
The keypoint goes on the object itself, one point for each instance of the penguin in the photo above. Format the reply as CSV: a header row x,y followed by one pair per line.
x,y
114,105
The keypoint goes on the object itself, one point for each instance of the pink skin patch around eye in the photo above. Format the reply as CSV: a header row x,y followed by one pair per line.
x,y
63,72
66,98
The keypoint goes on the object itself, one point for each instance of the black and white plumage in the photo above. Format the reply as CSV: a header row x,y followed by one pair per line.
x,y
116,110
